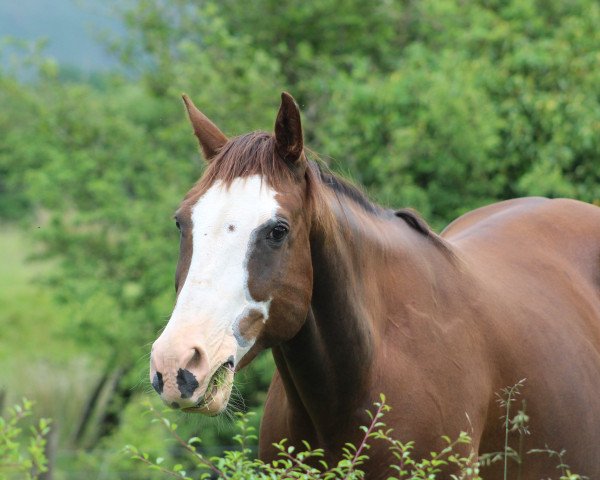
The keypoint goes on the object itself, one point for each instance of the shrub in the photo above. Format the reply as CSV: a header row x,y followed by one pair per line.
x,y
309,463
22,452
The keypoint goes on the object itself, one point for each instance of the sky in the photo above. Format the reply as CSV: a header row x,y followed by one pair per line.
x,y
71,27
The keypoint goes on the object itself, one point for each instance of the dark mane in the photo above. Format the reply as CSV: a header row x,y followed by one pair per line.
x,y
254,154
350,191
414,220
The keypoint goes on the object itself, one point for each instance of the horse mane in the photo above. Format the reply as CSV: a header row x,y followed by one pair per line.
x,y
413,219
410,216
349,190
255,154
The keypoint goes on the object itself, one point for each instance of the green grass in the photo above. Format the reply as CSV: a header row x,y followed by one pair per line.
x,y
28,315
41,362
38,359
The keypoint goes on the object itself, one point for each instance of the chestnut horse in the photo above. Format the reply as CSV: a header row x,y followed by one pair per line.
x,y
354,299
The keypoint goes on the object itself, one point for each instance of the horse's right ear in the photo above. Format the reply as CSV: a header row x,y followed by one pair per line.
x,y
209,136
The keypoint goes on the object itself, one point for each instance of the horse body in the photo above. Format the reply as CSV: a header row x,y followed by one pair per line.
x,y
355,300
538,263
521,299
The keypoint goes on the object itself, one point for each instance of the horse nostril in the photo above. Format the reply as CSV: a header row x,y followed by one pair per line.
x,y
187,377
186,382
157,383
195,363
230,362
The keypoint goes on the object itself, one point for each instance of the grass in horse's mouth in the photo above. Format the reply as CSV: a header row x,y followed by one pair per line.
x,y
218,380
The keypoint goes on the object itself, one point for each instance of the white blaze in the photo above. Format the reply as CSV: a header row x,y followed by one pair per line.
x,y
215,293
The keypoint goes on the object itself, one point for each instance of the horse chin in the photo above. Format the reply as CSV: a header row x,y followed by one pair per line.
x,y
215,400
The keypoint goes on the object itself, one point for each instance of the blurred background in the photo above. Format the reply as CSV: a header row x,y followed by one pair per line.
x,y
439,105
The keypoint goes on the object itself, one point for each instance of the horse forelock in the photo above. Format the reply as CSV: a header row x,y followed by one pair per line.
x,y
244,156
255,154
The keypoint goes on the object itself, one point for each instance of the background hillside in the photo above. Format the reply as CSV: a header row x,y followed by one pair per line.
x,y
71,28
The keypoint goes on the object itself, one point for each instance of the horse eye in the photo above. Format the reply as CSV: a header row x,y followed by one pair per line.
x,y
177,225
278,233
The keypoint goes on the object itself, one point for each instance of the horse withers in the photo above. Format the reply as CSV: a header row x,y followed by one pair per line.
x,y
354,299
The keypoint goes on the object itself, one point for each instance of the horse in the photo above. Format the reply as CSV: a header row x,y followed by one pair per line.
x,y
354,299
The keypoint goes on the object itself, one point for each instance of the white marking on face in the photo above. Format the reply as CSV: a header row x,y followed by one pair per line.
x,y
215,295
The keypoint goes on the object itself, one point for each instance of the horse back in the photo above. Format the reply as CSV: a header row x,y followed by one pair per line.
x,y
534,229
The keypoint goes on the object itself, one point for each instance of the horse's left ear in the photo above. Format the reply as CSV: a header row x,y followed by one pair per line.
x,y
288,133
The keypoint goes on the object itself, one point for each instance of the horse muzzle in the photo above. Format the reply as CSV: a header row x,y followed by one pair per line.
x,y
185,379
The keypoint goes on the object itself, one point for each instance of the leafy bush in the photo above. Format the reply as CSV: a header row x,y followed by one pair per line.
x,y
309,463
442,105
22,452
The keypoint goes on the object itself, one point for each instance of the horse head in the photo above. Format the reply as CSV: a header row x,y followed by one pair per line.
x,y
244,276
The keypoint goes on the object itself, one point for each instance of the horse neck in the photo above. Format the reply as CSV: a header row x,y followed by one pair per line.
x,y
358,260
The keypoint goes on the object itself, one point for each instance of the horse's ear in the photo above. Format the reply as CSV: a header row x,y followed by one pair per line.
x,y
288,132
211,139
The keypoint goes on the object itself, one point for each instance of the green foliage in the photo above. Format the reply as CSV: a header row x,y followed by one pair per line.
x,y
565,470
440,105
22,452
492,101
308,463
59,372
520,424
